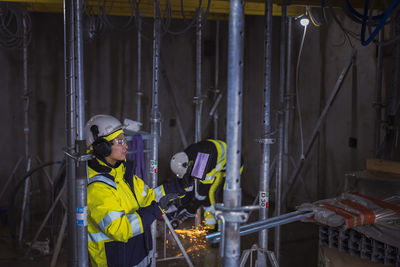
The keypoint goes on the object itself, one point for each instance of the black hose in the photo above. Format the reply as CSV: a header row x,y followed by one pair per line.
x,y
11,219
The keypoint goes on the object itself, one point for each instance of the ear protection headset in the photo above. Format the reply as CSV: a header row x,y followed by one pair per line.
x,y
101,147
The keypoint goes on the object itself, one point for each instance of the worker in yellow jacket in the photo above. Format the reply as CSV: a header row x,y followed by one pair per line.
x,y
206,161
121,207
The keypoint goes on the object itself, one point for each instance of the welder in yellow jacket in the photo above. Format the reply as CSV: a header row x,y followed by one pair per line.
x,y
121,207
211,154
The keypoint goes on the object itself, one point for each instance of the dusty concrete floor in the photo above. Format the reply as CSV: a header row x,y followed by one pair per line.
x,y
299,248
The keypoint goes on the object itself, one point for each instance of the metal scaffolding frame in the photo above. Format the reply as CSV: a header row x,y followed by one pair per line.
x,y
70,99
232,214
25,202
198,99
214,112
282,114
139,91
266,139
75,125
155,115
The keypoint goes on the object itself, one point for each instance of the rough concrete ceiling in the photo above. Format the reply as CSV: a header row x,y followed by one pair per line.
x,y
219,9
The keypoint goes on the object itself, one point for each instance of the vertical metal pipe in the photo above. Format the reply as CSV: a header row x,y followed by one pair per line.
x,y
265,147
216,81
232,191
155,114
378,100
139,92
198,98
287,105
81,166
392,132
70,123
396,78
25,203
278,178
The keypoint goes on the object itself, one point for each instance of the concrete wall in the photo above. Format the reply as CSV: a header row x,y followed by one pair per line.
x,y
110,87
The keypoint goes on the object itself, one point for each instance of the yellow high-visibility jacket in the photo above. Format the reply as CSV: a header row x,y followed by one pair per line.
x,y
120,212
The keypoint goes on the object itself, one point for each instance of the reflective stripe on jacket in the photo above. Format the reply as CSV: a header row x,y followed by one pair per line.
x,y
221,161
115,230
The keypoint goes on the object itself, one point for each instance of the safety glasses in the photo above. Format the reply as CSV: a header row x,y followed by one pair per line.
x,y
121,142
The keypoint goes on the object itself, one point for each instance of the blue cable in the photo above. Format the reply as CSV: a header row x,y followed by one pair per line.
x,y
313,18
357,14
380,25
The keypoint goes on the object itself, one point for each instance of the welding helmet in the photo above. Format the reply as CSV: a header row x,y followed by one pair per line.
x,y
179,164
99,131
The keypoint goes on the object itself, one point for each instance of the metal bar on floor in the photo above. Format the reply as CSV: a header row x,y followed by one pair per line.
x,y
168,223
60,237
44,222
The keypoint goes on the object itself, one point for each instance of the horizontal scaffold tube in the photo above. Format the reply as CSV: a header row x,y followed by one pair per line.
x,y
265,224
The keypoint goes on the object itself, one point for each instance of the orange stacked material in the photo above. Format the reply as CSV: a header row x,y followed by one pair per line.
x,y
353,209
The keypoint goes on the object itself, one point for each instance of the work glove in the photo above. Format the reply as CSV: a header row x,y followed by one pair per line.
x,y
149,214
166,201
186,181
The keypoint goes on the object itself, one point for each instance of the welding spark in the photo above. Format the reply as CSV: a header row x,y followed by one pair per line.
x,y
196,238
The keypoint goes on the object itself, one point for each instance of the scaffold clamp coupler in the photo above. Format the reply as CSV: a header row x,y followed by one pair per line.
x,y
268,141
76,157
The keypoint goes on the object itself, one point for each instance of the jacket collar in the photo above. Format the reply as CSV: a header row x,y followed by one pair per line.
x,y
102,166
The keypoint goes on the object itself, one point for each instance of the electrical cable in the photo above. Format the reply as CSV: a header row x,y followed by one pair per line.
x,y
126,26
313,20
298,107
388,11
14,193
194,20
345,31
359,15
323,13
15,26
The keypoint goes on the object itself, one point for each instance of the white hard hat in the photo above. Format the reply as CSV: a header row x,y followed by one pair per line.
x,y
179,163
105,124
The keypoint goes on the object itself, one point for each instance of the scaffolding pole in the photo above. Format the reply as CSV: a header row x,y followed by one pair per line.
x,y
279,172
216,80
378,100
232,191
81,166
70,124
139,91
25,214
198,101
266,140
288,98
155,116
